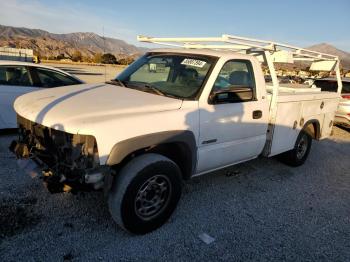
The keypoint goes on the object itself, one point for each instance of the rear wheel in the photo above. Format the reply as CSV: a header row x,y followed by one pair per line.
x,y
145,193
298,155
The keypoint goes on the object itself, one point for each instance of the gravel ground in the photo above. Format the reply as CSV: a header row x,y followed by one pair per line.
x,y
260,210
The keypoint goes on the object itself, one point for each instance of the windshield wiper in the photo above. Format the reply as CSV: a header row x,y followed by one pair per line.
x,y
146,87
116,81
155,89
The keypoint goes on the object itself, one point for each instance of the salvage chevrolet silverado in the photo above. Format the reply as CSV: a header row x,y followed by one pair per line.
x,y
171,115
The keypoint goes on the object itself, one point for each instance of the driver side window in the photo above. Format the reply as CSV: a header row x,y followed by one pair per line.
x,y
235,83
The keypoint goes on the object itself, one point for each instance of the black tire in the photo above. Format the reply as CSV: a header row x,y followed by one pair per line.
x,y
145,193
298,155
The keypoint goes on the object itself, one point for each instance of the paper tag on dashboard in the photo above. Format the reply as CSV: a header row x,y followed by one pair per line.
x,y
193,62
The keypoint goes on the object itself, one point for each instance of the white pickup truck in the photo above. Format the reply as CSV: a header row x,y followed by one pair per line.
x,y
139,135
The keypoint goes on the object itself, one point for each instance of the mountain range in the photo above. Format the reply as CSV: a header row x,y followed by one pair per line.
x,y
50,44
329,49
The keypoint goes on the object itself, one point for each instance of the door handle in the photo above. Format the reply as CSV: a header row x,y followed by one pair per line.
x,y
257,114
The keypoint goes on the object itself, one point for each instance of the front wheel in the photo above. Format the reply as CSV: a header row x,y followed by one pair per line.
x,y
298,155
145,193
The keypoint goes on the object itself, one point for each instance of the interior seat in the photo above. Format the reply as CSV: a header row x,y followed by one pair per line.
x,y
239,78
187,75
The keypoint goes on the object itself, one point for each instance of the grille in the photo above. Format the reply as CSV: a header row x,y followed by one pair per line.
x,y
61,151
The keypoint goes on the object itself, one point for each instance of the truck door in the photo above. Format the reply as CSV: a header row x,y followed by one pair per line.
x,y
233,119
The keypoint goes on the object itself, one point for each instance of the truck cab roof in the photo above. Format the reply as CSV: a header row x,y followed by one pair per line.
x,y
206,52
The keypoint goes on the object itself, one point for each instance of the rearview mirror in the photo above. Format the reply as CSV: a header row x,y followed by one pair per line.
x,y
232,95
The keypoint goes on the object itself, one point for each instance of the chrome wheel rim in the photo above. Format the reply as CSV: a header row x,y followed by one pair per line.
x,y
152,197
302,147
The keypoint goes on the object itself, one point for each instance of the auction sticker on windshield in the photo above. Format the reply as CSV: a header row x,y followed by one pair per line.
x,y
193,62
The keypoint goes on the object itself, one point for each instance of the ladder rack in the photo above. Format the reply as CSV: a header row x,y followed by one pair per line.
x,y
237,43
269,51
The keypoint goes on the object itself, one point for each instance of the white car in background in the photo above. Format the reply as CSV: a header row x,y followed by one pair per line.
x,y
18,78
342,116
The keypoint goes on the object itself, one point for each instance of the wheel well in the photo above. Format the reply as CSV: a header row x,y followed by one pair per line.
x,y
312,128
178,152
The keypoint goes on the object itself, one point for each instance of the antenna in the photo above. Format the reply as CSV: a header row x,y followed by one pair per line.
x,y
104,50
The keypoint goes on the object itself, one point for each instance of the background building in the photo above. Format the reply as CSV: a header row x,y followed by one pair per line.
x,y
16,54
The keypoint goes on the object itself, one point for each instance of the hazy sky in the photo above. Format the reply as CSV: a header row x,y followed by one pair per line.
x,y
296,22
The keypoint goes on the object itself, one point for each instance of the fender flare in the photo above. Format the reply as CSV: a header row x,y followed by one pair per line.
x,y
124,148
316,125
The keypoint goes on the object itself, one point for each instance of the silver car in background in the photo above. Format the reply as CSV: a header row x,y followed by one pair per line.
x,y
342,116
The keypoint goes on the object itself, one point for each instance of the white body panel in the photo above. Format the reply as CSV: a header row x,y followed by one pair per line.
x,y
299,109
238,137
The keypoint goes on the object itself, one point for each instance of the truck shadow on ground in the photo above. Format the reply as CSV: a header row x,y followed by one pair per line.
x,y
17,214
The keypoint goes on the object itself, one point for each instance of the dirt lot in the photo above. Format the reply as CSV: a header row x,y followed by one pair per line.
x,y
261,210
90,73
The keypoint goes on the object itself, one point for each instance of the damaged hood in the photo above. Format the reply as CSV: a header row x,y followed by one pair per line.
x,y
70,108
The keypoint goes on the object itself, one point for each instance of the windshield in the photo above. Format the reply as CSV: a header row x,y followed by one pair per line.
x,y
174,75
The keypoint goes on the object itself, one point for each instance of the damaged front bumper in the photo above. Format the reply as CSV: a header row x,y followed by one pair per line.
x,y
65,162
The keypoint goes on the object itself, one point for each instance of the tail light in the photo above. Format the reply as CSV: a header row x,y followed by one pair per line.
x,y
346,96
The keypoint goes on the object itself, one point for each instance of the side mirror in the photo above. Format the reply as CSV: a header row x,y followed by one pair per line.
x,y
232,95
